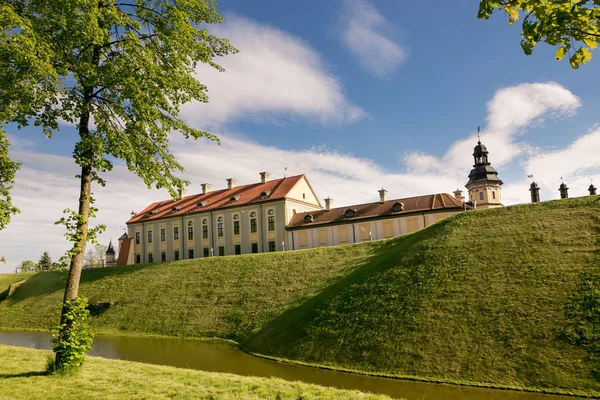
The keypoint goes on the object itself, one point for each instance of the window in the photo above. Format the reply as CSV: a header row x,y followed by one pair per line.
x,y
271,212
308,218
350,213
175,233
163,234
163,256
204,221
150,258
271,223
494,195
205,231
220,219
398,206
138,258
190,233
302,239
221,250
304,196
480,195
253,214
137,238
176,255
191,253
206,252
272,246
220,229
236,227
255,247
253,225
323,237
238,249
149,236
342,234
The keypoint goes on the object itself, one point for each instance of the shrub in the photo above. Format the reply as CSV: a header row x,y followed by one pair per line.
x,y
72,338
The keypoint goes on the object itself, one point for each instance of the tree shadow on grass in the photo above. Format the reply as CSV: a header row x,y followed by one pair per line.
x,y
25,374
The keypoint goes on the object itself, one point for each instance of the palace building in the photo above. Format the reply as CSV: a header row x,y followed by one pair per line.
x,y
286,214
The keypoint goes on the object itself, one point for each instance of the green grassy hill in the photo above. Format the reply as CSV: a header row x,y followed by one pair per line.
x,y
508,296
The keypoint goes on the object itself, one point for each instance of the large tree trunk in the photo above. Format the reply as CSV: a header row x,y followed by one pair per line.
x,y
85,192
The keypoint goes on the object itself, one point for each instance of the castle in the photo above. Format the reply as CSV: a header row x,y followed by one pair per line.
x,y
286,214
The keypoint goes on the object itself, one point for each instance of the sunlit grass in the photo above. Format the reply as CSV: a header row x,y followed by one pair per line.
x,y
22,376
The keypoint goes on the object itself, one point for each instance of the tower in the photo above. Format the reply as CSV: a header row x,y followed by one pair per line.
x,y
564,191
535,192
484,186
110,255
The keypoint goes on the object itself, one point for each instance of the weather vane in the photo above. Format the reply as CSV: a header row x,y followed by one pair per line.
x,y
478,132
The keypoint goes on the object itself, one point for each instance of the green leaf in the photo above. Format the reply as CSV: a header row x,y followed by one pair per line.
x,y
560,53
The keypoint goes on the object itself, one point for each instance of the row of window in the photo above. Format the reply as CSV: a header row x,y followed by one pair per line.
x,y
206,252
220,230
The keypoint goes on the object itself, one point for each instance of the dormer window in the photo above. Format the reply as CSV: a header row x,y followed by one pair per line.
x,y
176,208
398,206
350,213
153,212
265,193
234,198
308,218
202,204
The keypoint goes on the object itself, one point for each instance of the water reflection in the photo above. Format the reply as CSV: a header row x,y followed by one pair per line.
x,y
222,357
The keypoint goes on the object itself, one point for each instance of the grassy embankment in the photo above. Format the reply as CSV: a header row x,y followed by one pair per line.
x,y
482,297
23,377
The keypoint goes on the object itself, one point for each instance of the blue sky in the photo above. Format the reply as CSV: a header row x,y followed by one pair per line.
x,y
358,95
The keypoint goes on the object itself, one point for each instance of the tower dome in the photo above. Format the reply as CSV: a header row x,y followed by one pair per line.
x,y
484,184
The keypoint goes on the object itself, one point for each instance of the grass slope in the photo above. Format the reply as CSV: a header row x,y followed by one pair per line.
x,y
8,279
480,297
22,376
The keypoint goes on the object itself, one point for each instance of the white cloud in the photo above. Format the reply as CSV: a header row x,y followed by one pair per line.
x,y
45,185
362,34
274,75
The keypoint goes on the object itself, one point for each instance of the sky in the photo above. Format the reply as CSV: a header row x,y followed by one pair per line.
x,y
358,95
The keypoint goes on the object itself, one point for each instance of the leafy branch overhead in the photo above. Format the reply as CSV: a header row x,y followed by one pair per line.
x,y
572,26
123,68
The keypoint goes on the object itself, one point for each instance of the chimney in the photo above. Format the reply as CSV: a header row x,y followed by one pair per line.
x,y
231,183
535,192
264,176
564,191
592,189
458,195
181,192
382,194
328,202
206,188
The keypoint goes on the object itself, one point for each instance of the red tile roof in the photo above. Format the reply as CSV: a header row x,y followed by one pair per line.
x,y
124,252
432,202
218,199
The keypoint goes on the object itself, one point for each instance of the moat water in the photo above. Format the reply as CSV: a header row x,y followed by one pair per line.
x,y
222,357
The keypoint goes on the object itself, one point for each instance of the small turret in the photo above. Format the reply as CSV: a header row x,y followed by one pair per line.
x,y
592,189
484,186
564,191
110,255
535,192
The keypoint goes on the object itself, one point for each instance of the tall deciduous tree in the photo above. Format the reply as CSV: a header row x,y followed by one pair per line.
x,y
117,69
94,256
573,26
8,168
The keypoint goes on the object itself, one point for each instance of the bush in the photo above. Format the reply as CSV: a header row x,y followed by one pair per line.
x,y
72,338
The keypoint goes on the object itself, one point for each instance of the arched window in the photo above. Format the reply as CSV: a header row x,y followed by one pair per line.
x,y
308,218
350,213
398,206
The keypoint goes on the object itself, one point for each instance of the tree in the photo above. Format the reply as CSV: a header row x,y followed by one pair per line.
x,y
573,26
94,256
45,263
27,266
117,69
8,169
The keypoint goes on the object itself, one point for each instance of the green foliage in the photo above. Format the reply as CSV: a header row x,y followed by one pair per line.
x,y
129,66
73,338
27,266
573,26
8,169
45,263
